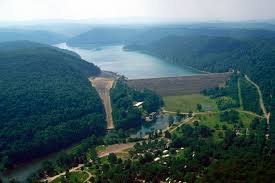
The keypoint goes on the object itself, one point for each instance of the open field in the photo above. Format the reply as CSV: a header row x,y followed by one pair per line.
x,y
187,103
103,86
184,85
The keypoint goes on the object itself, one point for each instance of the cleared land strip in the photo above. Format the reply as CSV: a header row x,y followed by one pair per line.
x,y
103,86
183,85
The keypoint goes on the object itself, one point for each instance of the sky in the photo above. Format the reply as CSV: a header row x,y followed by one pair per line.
x,y
162,10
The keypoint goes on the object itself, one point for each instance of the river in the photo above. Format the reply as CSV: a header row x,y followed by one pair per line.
x,y
133,65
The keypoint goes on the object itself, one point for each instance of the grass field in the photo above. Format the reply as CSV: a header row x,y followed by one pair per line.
x,y
73,177
187,103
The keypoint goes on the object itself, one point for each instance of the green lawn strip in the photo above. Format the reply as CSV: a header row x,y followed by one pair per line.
x,y
73,177
187,103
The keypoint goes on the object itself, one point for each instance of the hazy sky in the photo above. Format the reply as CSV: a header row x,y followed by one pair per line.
x,y
185,10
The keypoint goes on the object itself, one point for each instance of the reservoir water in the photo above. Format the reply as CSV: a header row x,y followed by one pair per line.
x,y
133,65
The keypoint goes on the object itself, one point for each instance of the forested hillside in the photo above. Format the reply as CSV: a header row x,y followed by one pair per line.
x,y
46,101
31,35
147,34
150,35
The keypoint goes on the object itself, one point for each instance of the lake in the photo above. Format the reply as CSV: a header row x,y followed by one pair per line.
x,y
133,65
161,123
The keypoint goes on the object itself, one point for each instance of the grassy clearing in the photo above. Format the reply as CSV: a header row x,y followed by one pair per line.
x,y
187,103
73,177
123,154
213,121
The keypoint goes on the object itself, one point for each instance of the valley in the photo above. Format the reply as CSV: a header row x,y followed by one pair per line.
x,y
152,104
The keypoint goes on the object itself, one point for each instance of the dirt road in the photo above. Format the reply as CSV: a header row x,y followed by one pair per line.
x,y
266,114
215,112
103,86
187,120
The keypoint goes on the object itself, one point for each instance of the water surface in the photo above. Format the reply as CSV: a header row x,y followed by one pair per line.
x,y
133,65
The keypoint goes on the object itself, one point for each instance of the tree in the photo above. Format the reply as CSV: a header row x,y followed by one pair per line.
x,y
13,181
167,134
190,114
170,120
112,158
199,107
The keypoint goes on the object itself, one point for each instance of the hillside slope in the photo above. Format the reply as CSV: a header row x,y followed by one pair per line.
x,y
46,101
103,36
31,35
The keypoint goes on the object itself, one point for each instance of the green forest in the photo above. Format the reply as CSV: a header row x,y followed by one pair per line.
x,y
46,101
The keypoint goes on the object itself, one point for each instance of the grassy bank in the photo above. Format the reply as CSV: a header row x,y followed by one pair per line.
x,y
187,103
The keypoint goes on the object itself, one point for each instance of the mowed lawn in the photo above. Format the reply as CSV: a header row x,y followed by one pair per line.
x,y
187,103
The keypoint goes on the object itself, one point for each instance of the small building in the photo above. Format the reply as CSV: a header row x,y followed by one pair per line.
x,y
138,104
157,159
165,156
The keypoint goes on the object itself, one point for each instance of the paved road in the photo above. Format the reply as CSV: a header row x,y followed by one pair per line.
x,y
103,86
